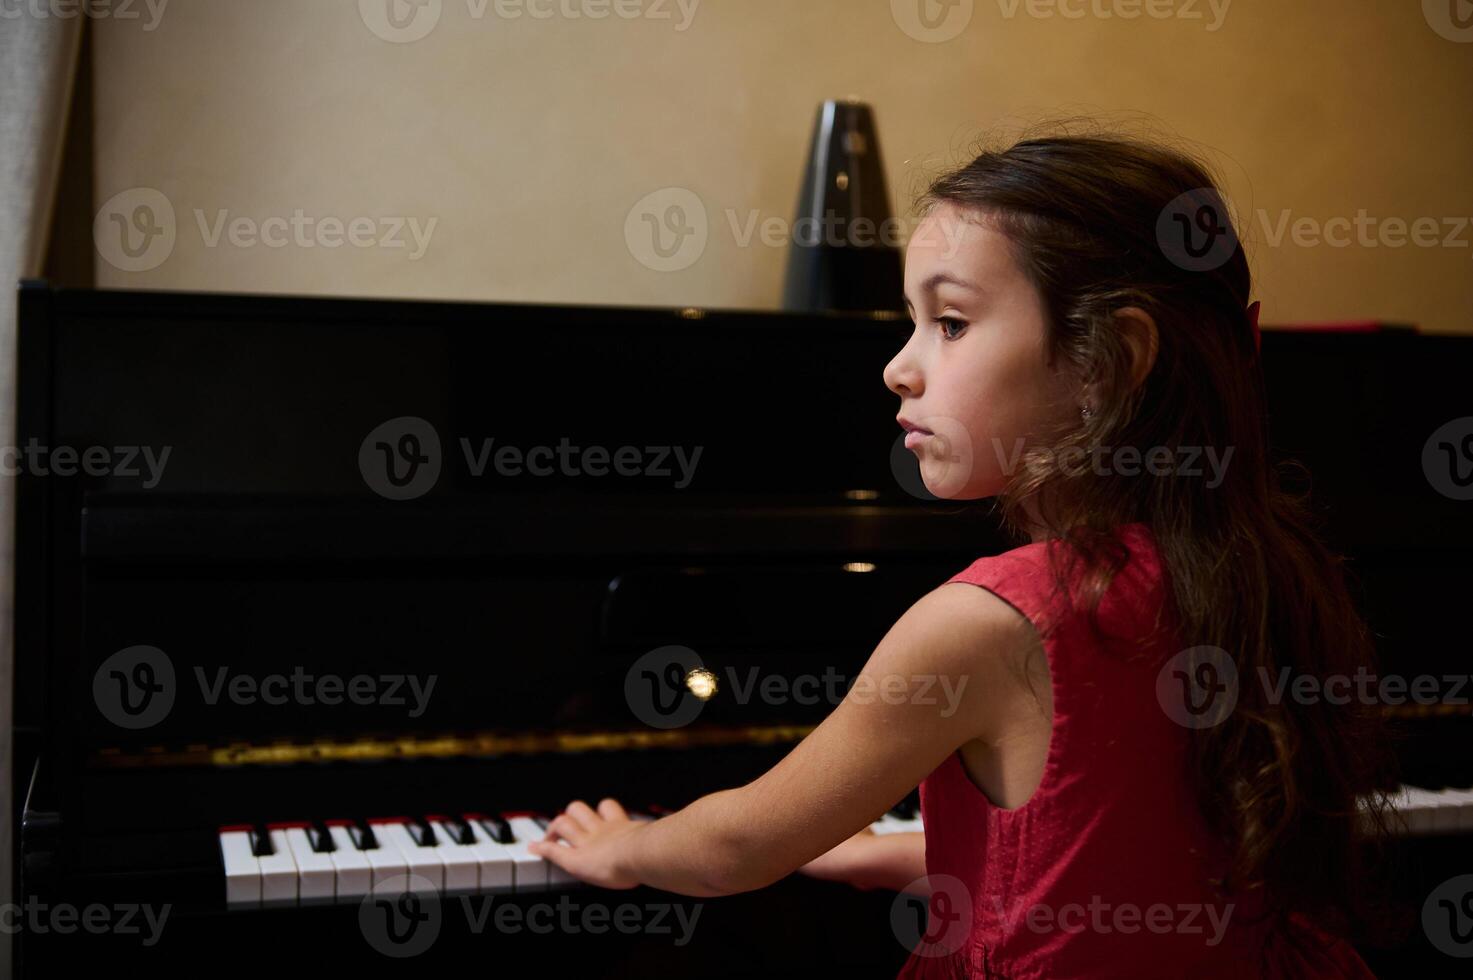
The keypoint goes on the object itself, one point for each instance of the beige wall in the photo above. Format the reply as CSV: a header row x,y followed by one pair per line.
x,y
528,141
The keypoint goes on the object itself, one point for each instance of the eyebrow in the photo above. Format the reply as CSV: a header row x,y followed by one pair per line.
x,y
936,279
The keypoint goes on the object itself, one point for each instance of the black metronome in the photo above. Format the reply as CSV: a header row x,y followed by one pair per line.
x,y
844,252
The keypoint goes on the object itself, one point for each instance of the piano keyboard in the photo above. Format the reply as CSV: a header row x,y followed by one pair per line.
x,y
338,861
1432,811
341,861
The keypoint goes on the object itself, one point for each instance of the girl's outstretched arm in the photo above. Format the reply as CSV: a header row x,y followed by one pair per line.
x,y
950,670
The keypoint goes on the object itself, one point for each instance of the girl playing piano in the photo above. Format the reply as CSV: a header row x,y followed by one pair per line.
x,y
1133,784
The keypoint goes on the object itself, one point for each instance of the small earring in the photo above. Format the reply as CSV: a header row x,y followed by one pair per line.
x,y
1085,413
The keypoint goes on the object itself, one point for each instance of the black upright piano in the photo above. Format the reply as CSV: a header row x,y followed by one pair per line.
x,y
336,575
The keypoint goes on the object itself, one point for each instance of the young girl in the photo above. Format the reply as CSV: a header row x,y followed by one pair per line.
x,y
1124,789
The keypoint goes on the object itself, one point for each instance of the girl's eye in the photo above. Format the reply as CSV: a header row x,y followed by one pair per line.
x,y
946,322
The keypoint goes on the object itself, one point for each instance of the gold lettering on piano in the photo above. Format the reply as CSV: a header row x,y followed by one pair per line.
x,y
484,745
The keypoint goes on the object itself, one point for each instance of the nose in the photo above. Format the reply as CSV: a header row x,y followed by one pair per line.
x,y
902,375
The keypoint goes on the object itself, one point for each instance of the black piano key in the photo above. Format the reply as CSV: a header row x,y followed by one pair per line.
x,y
363,836
261,842
541,821
459,830
319,839
498,829
422,832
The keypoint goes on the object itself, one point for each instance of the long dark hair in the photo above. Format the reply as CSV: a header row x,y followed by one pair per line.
x,y
1280,782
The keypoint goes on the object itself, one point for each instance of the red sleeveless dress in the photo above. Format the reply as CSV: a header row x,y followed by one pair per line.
x,y
1105,871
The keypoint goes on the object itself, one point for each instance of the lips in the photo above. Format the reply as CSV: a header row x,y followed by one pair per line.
x,y
914,434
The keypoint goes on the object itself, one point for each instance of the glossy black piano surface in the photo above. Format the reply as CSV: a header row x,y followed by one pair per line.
x,y
332,505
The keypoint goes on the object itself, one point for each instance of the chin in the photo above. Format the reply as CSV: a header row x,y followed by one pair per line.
x,y
944,481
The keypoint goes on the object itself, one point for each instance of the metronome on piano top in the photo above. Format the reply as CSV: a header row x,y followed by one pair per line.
x,y
844,251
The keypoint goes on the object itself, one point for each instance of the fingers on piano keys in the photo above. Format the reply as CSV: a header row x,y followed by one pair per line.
x,y
347,860
340,861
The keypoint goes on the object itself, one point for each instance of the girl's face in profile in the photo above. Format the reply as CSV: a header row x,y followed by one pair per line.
x,y
972,379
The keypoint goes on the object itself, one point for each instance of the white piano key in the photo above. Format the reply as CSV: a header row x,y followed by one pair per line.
x,y
386,864
892,824
1465,812
1445,804
242,870
462,863
556,876
1418,809
497,868
427,871
316,877
1460,811
278,872
532,871
353,875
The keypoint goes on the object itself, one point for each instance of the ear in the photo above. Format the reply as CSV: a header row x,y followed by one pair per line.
x,y
1139,330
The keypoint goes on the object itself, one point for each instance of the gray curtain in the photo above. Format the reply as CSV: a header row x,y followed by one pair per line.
x,y
38,61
